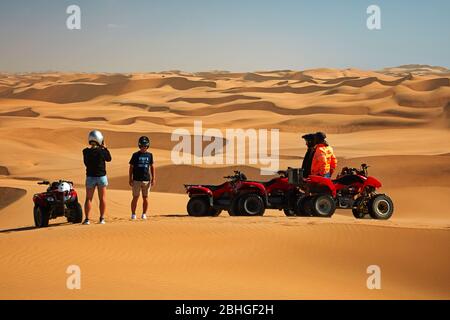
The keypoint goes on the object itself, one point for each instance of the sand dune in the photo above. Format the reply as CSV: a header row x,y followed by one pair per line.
x,y
397,120
429,85
78,92
10,195
27,112
214,101
4,171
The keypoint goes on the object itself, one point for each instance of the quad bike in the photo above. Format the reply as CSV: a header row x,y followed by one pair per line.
x,y
318,199
356,190
279,193
288,192
210,200
59,200
352,189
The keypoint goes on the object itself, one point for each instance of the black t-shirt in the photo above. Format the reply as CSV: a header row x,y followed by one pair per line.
x,y
94,160
307,162
141,163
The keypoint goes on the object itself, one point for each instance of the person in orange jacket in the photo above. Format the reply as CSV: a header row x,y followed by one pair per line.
x,y
324,161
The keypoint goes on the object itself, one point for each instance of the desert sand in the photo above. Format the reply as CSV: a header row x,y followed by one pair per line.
x,y
397,120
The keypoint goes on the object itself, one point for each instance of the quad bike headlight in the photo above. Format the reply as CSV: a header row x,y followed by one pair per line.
x,y
50,199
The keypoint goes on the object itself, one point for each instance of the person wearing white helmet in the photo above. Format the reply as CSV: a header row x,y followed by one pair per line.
x,y
95,158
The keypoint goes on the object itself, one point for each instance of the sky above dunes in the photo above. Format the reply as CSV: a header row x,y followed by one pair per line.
x,y
235,35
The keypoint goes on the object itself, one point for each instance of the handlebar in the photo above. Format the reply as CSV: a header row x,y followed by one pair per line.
x,y
237,176
46,182
363,171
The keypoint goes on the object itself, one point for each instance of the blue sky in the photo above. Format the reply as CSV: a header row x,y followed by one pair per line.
x,y
235,35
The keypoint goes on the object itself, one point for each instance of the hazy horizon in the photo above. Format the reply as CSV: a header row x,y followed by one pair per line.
x,y
236,36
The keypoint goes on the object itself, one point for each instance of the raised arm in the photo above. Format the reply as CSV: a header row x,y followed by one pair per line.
x,y
106,154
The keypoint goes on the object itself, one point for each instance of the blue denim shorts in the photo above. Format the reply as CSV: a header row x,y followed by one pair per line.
x,y
92,182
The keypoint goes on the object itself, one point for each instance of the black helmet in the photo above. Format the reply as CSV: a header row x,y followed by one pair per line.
x,y
308,137
320,136
144,142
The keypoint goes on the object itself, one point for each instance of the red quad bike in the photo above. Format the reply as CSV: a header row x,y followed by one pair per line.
x,y
286,192
292,194
210,200
352,189
355,189
59,200
280,193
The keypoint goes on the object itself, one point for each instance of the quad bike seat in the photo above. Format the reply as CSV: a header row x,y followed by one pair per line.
x,y
213,187
266,183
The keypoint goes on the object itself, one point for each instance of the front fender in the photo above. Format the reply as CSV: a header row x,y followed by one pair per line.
x,y
313,181
39,200
252,186
198,190
372,182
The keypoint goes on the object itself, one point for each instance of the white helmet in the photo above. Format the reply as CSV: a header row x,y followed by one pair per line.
x,y
64,188
95,136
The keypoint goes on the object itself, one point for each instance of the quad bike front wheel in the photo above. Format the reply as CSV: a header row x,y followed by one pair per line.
x,y
41,216
252,205
299,209
76,213
198,207
381,207
323,206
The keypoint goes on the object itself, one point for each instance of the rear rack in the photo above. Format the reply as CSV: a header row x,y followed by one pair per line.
x,y
295,176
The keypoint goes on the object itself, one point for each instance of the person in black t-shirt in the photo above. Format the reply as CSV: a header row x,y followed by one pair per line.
x,y
141,176
307,160
94,159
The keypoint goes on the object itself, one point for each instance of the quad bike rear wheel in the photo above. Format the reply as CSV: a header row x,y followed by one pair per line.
x,y
41,216
233,211
323,206
198,207
302,208
76,213
358,210
214,212
289,212
306,206
381,207
251,205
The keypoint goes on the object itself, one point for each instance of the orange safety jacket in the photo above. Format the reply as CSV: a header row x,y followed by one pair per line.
x,y
324,160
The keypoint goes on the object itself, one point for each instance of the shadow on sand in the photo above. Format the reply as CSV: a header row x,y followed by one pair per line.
x,y
34,228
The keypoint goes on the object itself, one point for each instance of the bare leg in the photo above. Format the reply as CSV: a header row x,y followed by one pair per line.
x,y
102,200
134,204
144,205
88,202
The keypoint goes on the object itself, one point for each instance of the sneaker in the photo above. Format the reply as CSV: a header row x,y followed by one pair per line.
x,y
133,217
102,220
86,222
144,216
